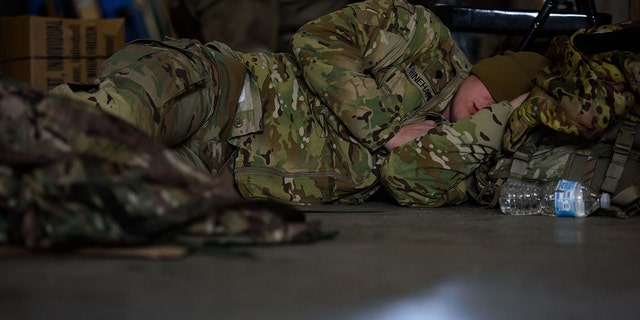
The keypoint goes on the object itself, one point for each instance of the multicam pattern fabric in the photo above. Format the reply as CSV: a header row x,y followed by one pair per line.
x,y
180,93
297,158
377,63
580,94
434,170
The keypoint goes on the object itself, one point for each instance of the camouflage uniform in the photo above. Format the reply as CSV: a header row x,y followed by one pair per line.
x,y
357,76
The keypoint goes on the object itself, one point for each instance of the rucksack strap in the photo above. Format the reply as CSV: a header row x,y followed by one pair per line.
x,y
621,150
523,154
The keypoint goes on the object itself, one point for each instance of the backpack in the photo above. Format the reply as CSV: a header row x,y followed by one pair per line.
x,y
610,165
580,122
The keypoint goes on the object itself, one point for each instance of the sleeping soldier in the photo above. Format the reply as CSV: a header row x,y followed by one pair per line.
x,y
347,113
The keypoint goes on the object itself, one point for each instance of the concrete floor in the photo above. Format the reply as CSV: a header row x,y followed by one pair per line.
x,y
387,263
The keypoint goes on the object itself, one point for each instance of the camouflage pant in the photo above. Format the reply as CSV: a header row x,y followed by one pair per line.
x,y
170,90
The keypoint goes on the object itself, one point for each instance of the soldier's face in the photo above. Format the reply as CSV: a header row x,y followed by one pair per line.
x,y
472,96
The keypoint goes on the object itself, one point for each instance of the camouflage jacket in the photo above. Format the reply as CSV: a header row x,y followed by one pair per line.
x,y
358,75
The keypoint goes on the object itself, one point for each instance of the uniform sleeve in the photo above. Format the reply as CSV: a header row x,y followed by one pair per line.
x,y
353,60
432,170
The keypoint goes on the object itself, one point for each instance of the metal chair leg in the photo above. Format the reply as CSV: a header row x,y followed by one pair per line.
x,y
537,23
588,7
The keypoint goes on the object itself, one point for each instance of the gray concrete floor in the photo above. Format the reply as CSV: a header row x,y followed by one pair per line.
x,y
387,263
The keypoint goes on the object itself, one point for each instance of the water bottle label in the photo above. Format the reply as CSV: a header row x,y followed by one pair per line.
x,y
565,198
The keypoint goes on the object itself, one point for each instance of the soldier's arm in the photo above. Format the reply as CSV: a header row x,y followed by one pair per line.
x,y
431,171
351,60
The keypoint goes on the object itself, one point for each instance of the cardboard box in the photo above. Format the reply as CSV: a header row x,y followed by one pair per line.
x,y
46,51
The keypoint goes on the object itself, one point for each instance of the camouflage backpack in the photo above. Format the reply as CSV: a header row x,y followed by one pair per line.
x,y
580,122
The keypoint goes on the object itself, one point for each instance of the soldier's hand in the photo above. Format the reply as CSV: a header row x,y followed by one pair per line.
x,y
410,132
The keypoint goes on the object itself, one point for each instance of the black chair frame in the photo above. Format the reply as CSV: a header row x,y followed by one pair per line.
x,y
547,21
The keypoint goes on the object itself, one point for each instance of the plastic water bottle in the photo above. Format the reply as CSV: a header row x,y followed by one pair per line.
x,y
561,198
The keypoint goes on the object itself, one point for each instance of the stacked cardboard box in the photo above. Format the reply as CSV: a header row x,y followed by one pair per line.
x,y
46,51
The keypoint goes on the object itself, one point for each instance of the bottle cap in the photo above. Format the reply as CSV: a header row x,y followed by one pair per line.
x,y
605,200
